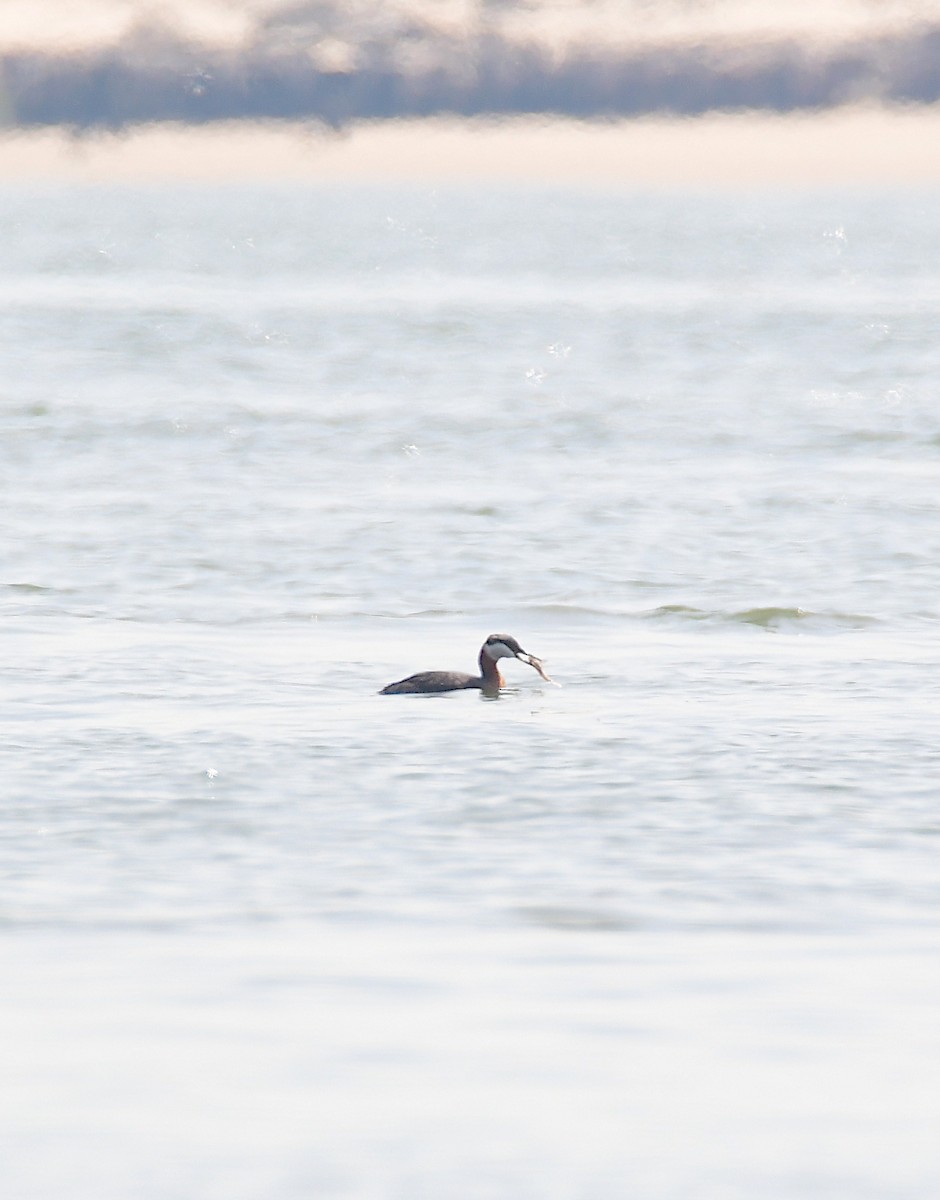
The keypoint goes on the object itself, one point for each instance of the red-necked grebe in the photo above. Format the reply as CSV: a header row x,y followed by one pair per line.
x,y
496,646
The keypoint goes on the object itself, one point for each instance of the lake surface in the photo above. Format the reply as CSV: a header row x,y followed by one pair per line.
x,y
669,930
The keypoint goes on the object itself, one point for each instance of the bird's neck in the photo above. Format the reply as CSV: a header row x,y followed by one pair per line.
x,y
490,671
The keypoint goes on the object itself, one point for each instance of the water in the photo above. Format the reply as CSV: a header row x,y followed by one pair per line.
x,y
668,930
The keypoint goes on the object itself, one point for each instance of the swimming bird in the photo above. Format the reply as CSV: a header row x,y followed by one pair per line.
x,y
489,681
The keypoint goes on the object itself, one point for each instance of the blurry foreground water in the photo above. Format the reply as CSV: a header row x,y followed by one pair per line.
x,y
670,930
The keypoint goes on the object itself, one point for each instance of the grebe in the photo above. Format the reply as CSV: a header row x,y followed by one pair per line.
x,y
496,646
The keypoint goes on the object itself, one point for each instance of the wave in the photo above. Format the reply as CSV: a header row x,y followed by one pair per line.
x,y
769,617
772,618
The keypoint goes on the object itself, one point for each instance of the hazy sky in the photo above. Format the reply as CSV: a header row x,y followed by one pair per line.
x,y
64,24
845,147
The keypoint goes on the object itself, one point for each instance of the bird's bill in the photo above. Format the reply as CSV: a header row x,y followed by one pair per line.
x,y
536,663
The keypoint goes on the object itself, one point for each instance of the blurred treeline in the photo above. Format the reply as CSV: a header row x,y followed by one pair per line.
x,y
319,64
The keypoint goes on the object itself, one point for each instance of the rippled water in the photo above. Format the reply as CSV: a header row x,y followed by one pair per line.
x,y
668,930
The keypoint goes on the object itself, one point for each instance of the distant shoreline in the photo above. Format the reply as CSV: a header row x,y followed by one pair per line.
x,y
851,145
